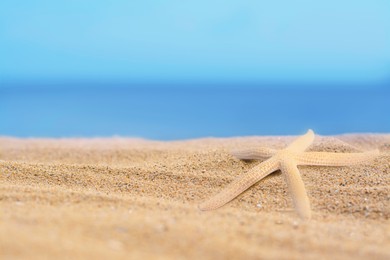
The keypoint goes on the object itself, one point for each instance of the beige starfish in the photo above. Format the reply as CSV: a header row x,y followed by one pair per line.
x,y
286,160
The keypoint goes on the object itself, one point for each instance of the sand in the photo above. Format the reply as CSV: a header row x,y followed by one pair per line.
x,y
137,199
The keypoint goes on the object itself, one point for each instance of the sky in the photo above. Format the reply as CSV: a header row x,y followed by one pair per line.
x,y
206,41
66,67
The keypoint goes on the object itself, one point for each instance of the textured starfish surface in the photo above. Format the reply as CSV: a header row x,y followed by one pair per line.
x,y
286,160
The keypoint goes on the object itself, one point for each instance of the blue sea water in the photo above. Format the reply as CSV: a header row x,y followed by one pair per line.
x,y
168,112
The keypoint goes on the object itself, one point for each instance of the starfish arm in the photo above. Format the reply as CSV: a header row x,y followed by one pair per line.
x,y
302,142
296,188
241,184
254,153
335,159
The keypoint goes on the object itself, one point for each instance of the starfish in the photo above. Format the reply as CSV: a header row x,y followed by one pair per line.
x,y
286,160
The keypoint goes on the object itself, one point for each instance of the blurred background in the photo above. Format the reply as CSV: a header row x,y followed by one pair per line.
x,y
178,69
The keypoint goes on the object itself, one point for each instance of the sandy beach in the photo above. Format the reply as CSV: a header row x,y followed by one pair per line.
x,y
122,198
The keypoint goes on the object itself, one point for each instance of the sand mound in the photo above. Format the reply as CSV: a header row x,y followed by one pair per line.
x,y
118,197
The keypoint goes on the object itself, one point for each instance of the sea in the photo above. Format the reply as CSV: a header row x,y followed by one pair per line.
x,y
188,111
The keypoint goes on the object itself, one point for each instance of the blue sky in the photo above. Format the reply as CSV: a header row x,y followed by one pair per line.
x,y
234,41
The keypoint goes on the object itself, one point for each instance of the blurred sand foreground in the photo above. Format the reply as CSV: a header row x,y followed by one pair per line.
x,y
129,198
